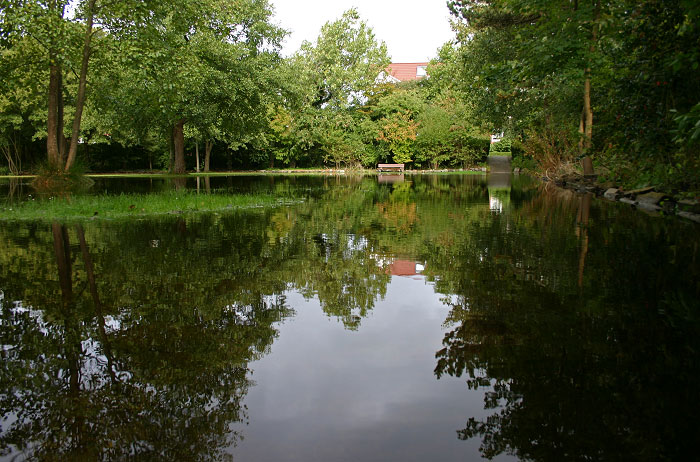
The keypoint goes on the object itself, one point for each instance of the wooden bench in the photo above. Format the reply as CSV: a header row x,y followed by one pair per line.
x,y
390,167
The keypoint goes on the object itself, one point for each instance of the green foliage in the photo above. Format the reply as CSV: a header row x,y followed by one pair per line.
x,y
152,64
342,64
524,163
397,132
434,142
501,148
688,132
323,85
523,66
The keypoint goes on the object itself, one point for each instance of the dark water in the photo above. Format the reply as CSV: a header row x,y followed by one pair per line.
x,y
420,318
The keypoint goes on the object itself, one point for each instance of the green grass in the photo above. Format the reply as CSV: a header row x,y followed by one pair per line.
x,y
124,206
503,153
448,172
274,172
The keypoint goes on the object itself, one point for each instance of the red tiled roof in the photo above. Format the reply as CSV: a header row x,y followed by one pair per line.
x,y
405,71
403,268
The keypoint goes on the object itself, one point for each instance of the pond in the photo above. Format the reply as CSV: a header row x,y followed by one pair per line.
x,y
406,318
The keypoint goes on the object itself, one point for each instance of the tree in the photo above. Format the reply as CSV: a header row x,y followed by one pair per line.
x,y
551,72
530,60
332,78
203,64
343,63
22,100
49,24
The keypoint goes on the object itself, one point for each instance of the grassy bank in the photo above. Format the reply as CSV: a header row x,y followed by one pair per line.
x,y
81,207
295,172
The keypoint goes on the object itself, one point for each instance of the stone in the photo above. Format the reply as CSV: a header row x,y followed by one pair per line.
x,y
611,194
690,216
689,205
648,207
650,198
636,192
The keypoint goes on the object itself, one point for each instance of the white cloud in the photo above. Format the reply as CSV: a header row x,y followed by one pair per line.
x,y
412,30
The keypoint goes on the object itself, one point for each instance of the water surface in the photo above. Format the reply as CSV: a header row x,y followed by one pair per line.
x,y
396,318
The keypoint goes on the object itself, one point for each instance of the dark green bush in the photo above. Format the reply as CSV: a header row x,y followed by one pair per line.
x,y
501,148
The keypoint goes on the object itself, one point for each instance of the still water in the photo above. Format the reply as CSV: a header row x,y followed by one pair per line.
x,y
449,318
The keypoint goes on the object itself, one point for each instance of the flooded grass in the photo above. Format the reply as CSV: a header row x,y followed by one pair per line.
x,y
81,207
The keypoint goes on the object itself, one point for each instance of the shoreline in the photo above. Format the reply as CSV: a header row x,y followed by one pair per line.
x,y
310,171
647,199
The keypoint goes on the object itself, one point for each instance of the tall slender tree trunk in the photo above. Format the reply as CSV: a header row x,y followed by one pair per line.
x,y
209,144
179,146
582,219
52,123
171,148
80,98
61,247
196,153
587,111
90,270
72,347
581,131
62,142
587,116
55,141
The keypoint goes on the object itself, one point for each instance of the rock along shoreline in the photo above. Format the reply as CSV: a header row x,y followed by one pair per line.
x,y
645,199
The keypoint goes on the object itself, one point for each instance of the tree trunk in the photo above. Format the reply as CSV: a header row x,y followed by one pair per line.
x,y
52,123
196,152
61,248
209,144
80,98
62,142
581,131
179,147
587,109
90,271
55,142
171,149
582,219
586,126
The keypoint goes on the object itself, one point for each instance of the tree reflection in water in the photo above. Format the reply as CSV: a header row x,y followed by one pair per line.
x,y
594,365
146,379
133,340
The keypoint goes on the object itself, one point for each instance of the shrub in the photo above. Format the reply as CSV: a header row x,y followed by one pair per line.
x,y
500,148
551,148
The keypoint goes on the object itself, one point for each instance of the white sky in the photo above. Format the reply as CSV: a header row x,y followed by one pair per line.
x,y
412,29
